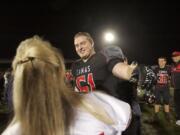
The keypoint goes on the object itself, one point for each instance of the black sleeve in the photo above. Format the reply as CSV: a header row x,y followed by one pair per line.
x,y
113,55
169,69
113,62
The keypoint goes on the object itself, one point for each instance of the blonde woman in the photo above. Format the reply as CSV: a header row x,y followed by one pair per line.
x,y
45,105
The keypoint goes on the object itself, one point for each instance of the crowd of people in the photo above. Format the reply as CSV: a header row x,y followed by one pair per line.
x,y
97,96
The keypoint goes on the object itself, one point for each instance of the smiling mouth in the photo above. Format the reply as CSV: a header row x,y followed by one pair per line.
x,y
82,51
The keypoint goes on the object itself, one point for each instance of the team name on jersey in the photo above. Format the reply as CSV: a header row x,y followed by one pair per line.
x,y
162,72
83,70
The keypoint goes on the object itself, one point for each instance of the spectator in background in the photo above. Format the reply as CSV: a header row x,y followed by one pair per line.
x,y
175,77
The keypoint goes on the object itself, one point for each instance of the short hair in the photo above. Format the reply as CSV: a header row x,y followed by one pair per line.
x,y
86,34
162,57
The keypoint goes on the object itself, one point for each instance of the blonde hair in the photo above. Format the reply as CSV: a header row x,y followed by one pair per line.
x,y
43,103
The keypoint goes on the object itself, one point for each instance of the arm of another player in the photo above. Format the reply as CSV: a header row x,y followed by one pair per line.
x,y
141,74
123,71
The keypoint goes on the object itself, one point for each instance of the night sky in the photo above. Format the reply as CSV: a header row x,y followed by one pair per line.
x,y
145,30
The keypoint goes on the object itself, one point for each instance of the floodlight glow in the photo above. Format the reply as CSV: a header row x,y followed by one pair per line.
x,y
109,37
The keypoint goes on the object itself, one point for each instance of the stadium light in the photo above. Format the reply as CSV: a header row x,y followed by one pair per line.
x,y
109,37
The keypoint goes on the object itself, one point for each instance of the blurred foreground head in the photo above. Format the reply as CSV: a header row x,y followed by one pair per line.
x,y
40,95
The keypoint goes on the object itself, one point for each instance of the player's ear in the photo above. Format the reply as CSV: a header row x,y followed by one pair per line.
x,y
92,44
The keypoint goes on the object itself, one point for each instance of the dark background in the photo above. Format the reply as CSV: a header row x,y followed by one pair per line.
x,y
145,30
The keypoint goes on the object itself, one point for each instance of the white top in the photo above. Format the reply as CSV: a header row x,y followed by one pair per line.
x,y
87,124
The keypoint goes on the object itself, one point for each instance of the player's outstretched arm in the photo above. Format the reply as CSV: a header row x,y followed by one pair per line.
x,y
140,74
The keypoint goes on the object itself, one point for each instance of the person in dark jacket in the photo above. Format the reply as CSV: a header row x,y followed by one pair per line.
x,y
175,76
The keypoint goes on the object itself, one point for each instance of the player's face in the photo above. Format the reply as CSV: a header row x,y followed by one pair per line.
x,y
176,59
161,62
83,47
